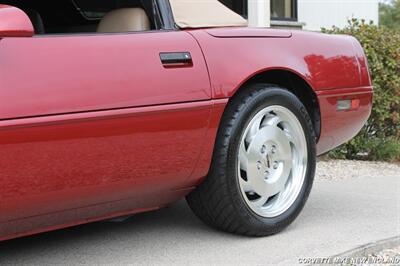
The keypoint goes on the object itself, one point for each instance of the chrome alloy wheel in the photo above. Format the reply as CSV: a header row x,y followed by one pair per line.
x,y
272,161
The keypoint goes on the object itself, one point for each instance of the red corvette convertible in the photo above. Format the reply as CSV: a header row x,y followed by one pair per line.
x,y
110,108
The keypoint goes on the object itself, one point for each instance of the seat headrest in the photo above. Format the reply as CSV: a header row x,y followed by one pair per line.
x,y
125,20
36,20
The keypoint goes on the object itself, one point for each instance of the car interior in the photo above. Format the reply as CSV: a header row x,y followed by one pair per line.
x,y
90,16
95,16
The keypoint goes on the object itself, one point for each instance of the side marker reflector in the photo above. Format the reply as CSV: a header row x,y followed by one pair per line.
x,y
348,104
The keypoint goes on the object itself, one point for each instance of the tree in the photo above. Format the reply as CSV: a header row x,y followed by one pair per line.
x,y
389,14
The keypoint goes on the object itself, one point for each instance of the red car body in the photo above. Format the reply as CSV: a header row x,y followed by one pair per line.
x,y
92,129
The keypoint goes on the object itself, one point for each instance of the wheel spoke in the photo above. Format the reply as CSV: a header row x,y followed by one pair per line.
x,y
260,202
243,157
254,128
272,120
291,139
273,189
246,185
284,154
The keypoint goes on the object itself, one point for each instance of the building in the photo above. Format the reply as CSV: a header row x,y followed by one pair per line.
x,y
306,14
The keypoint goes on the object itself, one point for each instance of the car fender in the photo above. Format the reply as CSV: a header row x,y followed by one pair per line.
x,y
323,61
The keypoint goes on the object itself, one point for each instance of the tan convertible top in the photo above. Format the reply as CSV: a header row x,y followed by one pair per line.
x,y
204,13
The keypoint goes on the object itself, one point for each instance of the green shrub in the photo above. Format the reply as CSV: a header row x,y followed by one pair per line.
x,y
380,138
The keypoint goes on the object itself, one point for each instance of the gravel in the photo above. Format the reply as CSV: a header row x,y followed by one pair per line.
x,y
344,169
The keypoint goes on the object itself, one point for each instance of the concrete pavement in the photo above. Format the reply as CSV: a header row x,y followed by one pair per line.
x,y
340,215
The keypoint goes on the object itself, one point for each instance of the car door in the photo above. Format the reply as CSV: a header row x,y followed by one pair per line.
x,y
92,119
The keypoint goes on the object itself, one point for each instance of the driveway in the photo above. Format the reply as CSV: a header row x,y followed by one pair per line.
x,y
352,203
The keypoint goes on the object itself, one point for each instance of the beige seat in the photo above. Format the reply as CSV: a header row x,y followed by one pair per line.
x,y
124,20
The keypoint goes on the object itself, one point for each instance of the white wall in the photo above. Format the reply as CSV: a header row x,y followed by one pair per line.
x,y
259,13
326,13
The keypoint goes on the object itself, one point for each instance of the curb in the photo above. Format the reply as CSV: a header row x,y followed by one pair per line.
x,y
370,248
352,256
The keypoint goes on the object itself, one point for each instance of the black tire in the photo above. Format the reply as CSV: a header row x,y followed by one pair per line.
x,y
218,201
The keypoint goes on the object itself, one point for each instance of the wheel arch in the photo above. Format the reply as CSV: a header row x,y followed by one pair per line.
x,y
294,83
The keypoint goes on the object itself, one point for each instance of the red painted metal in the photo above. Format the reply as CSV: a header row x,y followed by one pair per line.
x,y
53,164
329,64
92,127
323,61
78,73
340,126
14,22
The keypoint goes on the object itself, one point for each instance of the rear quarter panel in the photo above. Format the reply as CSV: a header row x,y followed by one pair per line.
x,y
334,66
324,61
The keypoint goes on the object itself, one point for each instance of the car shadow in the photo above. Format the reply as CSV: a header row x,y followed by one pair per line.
x,y
331,219
176,218
153,235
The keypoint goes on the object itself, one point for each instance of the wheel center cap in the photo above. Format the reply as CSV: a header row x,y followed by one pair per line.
x,y
267,153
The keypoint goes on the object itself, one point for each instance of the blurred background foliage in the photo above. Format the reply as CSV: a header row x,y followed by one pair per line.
x,y
389,14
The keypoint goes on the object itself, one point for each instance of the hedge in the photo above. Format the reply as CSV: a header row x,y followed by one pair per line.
x,y
380,138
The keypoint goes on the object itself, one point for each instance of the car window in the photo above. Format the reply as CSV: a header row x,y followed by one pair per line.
x,y
90,16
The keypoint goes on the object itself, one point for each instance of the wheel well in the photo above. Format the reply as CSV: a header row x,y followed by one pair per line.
x,y
295,84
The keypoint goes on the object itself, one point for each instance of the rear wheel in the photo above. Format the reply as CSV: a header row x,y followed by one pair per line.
x,y
263,164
